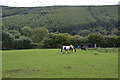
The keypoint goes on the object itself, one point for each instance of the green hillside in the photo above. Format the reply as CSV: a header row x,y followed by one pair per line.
x,y
70,19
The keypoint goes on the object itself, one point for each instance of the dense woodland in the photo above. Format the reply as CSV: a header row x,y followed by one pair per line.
x,y
54,26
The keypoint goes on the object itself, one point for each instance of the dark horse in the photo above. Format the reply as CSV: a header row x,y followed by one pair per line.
x,y
83,48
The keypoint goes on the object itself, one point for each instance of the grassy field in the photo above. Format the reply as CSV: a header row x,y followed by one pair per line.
x,y
50,63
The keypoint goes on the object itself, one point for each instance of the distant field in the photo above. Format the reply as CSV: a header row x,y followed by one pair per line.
x,y
50,63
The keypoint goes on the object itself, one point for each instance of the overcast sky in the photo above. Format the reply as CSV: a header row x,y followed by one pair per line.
x,y
33,3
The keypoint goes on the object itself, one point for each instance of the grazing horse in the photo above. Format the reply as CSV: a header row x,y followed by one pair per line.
x,y
83,48
68,48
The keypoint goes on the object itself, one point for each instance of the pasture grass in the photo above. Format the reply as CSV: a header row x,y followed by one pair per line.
x,y
51,63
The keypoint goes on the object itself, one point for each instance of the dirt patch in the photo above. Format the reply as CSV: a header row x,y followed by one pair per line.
x,y
80,72
19,71
14,71
68,67
36,70
91,65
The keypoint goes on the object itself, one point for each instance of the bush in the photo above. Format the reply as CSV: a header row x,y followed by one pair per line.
x,y
6,40
96,39
111,41
22,43
39,45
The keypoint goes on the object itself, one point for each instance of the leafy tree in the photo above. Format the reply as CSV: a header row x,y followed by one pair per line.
x,y
26,31
118,41
38,34
6,40
22,43
111,41
57,40
52,41
116,32
5,28
15,33
76,40
64,38
96,39
83,32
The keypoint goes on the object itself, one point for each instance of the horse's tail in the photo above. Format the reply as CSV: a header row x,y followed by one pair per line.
x,y
61,49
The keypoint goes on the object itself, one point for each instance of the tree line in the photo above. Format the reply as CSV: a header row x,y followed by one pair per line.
x,y
42,38
54,26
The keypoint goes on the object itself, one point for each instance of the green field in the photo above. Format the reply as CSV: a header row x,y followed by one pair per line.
x,y
50,63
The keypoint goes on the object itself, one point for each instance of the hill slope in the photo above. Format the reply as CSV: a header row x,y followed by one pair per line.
x,y
71,19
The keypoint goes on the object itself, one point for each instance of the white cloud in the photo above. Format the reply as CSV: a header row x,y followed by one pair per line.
x,y
30,3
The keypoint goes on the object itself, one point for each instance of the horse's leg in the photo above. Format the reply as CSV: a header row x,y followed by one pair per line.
x,y
71,50
63,51
68,51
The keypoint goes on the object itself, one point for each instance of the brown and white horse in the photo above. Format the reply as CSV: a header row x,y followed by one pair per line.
x,y
68,48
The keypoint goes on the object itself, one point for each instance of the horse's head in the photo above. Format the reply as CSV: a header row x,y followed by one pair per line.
x,y
71,46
